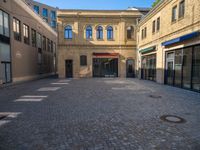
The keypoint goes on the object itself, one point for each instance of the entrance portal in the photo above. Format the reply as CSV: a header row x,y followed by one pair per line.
x,y
130,68
69,68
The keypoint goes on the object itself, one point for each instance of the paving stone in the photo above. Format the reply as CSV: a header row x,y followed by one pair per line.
x,y
99,114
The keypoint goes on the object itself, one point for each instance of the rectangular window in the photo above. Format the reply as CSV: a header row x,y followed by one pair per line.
x,y
4,24
36,9
158,24
39,40
33,34
45,12
83,60
53,15
44,43
17,29
49,45
181,9
1,23
53,24
26,34
145,32
142,33
174,10
154,26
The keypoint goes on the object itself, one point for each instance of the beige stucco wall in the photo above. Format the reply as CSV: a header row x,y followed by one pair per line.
x,y
168,30
79,45
24,58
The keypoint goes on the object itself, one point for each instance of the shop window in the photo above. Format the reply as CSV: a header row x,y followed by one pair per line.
x,y
148,71
187,67
178,67
196,69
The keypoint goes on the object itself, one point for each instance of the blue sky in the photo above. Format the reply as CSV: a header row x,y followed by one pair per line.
x,y
97,4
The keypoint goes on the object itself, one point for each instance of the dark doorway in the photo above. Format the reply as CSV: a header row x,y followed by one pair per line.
x,y
69,68
130,68
105,67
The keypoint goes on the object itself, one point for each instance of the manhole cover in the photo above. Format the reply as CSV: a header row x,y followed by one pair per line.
x,y
172,119
155,96
2,116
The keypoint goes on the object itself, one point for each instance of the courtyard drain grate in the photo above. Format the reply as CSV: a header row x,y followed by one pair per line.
x,y
155,96
172,119
2,116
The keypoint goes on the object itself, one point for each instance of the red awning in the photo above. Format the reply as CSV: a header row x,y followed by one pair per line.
x,y
106,55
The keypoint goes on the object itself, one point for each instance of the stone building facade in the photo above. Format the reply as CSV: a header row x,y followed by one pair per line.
x,y
169,44
27,43
97,43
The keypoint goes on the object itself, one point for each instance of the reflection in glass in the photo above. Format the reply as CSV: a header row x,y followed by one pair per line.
x,y
178,67
196,68
187,67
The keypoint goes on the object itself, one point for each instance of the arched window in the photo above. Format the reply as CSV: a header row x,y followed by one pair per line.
x,y
110,33
99,32
68,32
89,32
130,32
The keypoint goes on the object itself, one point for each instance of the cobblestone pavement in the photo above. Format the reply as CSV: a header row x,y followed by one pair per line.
x,y
95,114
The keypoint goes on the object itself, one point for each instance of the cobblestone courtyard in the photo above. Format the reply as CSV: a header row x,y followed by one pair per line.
x,y
84,114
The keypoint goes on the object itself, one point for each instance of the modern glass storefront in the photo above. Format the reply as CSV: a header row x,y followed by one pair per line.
x,y
148,70
183,68
105,67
